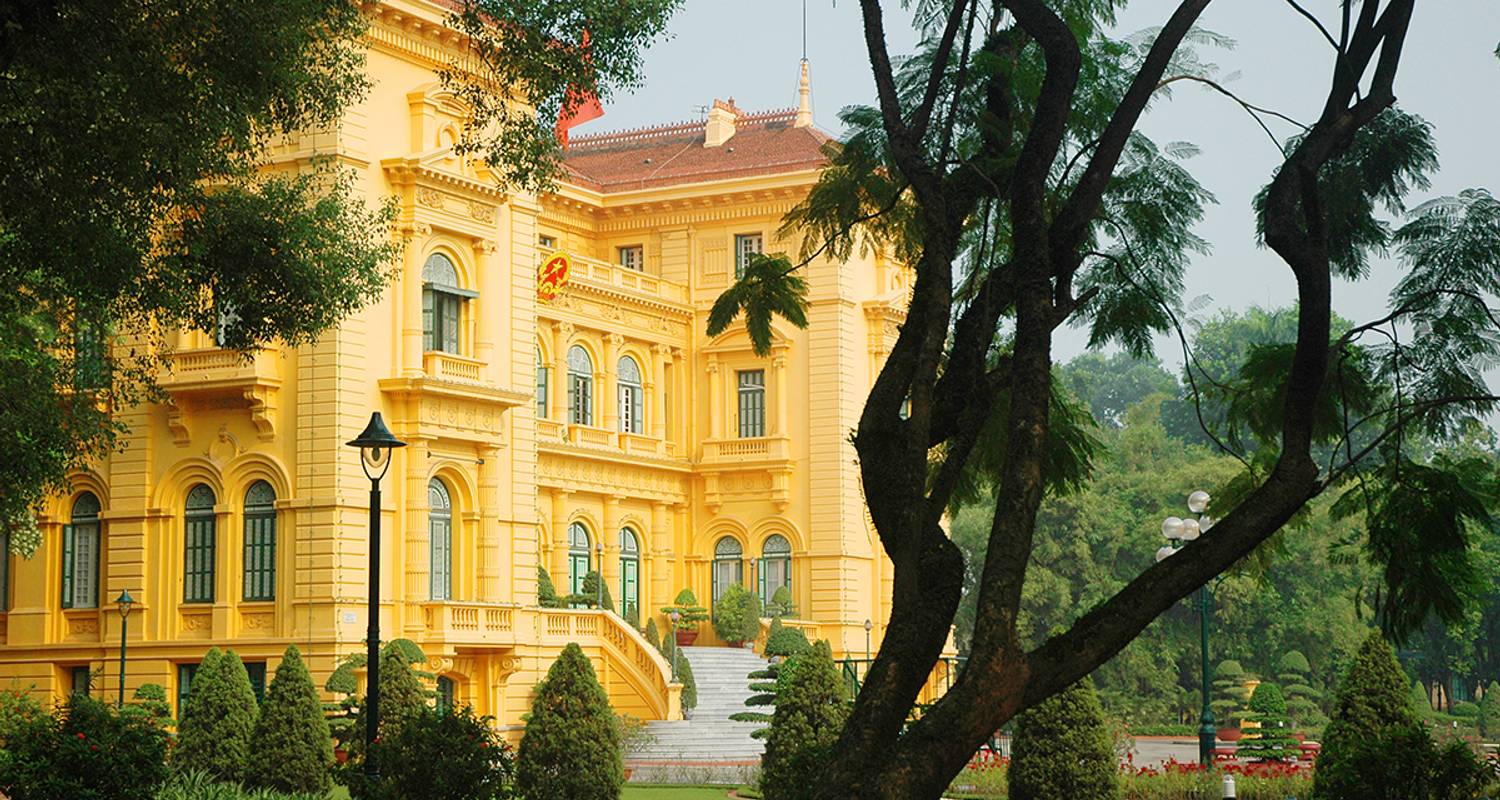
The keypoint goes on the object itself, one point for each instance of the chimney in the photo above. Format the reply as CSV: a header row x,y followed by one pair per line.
x,y
804,100
721,119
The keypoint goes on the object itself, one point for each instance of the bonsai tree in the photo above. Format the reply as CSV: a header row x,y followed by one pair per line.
x,y
1272,741
689,613
214,732
781,603
737,615
1302,700
1061,748
782,643
810,712
292,745
1230,695
591,591
571,747
546,592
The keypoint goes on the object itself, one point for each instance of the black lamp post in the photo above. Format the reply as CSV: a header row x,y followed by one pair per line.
x,y
868,627
674,616
375,445
123,602
599,582
1179,531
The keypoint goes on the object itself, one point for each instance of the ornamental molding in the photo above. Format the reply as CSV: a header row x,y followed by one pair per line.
x,y
561,469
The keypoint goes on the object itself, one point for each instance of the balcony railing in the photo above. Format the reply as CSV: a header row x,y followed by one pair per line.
x,y
760,448
216,367
453,368
592,271
470,622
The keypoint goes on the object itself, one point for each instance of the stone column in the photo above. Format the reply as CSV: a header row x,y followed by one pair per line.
x,y
489,525
486,308
715,403
661,594
606,380
779,425
418,543
656,389
558,403
559,568
411,302
609,569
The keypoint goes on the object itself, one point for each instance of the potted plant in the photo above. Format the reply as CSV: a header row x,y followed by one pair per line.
x,y
689,614
737,616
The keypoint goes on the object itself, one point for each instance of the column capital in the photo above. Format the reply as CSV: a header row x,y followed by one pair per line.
x,y
566,329
486,247
615,339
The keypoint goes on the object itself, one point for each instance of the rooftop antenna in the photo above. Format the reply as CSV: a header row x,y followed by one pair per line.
x,y
701,111
804,119
804,31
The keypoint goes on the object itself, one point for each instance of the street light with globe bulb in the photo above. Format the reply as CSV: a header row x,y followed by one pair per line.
x,y
1179,531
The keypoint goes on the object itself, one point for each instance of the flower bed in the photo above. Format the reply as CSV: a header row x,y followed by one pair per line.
x,y
985,779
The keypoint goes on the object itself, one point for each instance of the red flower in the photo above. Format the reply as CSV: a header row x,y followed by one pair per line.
x,y
80,734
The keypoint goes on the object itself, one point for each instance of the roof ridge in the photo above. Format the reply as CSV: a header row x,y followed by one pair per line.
x,y
669,129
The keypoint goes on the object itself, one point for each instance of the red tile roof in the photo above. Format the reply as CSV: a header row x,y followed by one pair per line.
x,y
764,143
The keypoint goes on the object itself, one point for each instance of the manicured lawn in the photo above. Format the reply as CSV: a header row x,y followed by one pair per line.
x,y
673,793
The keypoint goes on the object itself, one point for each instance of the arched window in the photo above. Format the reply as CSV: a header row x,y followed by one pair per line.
x,y
200,542
440,539
543,385
80,554
775,567
728,565
442,304
260,542
578,557
630,396
580,386
630,573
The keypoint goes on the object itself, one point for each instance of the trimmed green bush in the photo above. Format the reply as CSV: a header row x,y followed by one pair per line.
x,y
688,610
684,672
1489,710
781,603
292,747
402,698
151,700
84,750
737,614
590,592
651,633
1272,741
1303,700
1230,697
571,747
810,712
214,732
436,755
783,641
546,591
1466,710
1061,748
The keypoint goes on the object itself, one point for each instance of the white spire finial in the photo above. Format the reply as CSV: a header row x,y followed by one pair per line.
x,y
804,100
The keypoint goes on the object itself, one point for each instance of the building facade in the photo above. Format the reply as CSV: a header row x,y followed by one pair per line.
x,y
602,429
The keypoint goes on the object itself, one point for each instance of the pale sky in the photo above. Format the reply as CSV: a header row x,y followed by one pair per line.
x,y
1449,75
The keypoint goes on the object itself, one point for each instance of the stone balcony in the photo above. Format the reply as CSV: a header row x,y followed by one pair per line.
x,y
597,274
214,376
595,438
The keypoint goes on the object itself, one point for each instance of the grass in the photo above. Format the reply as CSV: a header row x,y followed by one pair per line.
x,y
674,792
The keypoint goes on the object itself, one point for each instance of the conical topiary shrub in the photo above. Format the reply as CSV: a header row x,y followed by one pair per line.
x,y
214,732
593,592
810,713
1373,718
291,749
651,633
1272,740
1489,710
571,747
1061,748
402,697
546,591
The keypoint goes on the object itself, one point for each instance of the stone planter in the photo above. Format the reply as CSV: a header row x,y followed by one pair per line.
x,y
1230,734
686,637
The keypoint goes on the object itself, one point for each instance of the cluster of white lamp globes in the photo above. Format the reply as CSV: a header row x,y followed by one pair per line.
x,y
1181,530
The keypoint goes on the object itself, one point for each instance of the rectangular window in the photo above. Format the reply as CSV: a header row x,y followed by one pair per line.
x,y
580,399
666,401
752,403
79,680
185,673
773,573
745,245
260,555
80,565
441,552
547,242
630,409
727,571
198,558
542,390
445,694
630,579
441,312
633,257
257,672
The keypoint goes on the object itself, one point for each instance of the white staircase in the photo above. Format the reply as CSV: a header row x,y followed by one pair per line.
x,y
710,737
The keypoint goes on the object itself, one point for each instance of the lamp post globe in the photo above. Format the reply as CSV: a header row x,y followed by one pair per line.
x,y
869,626
124,603
1178,532
375,444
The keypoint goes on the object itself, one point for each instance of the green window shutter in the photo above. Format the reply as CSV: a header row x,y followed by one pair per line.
x,y
541,391
260,555
257,672
67,566
429,320
760,579
449,322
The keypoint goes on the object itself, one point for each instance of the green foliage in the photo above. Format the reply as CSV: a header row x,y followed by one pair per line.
x,y
1061,748
146,210
1272,741
402,696
214,733
436,755
782,645
737,614
768,288
810,712
1110,385
1465,710
151,699
1302,698
1373,728
198,785
1231,697
785,642
546,592
651,633
292,746
84,750
562,52
571,747
684,670
688,610
1489,710
781,604
593,593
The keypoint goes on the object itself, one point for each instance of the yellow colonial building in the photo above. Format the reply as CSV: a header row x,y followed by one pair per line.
x,y
601,429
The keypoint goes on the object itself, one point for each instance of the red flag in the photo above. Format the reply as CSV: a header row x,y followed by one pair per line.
x,y
578,107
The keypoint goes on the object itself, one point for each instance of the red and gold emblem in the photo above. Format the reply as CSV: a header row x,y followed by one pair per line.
x,y
552,276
